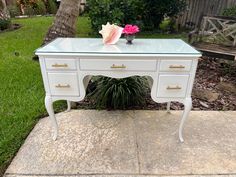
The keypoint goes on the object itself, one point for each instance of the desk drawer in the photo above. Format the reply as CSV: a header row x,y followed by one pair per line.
x,y
175,65
60,64
65,84
172,86
118,65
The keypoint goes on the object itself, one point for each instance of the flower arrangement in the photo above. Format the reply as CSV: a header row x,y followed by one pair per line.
x,y
130,29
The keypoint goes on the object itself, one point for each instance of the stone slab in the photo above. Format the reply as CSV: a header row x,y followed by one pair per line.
x,y
209,147
121,175
88,142
130,144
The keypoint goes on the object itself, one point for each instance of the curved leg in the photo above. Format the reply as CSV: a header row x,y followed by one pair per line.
x,y
68,106
49,107
187,108
168,107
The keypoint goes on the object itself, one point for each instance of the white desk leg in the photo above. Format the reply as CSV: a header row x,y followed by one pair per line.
x,y
68,106
168,107
187,109
49,107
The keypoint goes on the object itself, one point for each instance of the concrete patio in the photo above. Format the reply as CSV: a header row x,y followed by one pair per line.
x,y
130,144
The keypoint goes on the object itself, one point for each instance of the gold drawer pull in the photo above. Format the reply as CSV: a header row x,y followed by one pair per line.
x,y
62,86
176,66
60,65
114,66
173,88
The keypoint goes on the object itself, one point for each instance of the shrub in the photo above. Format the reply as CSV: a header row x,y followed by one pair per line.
x,y
114,11
39,8
168,26
230,12
14,11
119,93
148,14
51,7
155,11
35,8
4,24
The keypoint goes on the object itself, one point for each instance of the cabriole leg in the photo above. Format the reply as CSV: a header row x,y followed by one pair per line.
x,y
168,107
49,107
187,109
68,106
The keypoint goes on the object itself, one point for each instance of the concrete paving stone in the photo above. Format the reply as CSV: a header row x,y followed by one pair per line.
x,y
209,147
122,175
89,142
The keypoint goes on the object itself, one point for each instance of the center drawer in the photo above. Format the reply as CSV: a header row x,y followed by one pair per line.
x,y
65,84
113,65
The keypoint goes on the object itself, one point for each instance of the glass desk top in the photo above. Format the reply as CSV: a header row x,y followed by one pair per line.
x,y
139,46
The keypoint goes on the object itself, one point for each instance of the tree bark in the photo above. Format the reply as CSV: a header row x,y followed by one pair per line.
x,y
4,14
64,24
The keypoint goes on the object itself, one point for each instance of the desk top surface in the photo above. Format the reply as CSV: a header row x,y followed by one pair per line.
x,y
139,46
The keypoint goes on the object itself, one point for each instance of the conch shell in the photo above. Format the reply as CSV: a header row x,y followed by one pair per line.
x,y
111,33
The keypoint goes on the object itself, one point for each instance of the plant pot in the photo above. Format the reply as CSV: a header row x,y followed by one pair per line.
x,y
129,38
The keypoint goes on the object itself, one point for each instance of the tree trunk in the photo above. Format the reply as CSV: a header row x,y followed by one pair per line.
x,y
4,14
64,24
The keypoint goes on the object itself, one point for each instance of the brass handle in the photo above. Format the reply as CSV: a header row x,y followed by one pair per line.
x,y
60,65
114,66
176,66
173,88
62,86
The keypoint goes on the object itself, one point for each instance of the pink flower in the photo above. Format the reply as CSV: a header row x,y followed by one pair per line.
x,y
130,29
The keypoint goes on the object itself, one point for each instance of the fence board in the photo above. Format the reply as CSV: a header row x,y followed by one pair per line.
x,y
198,8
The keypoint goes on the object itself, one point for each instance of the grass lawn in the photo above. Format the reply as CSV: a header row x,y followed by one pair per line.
x,y
21,86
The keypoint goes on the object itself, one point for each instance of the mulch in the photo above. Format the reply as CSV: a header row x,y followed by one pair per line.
x,y
210,73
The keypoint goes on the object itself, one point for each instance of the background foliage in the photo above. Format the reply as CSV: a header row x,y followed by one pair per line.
x,y
113,11
230,12
148,14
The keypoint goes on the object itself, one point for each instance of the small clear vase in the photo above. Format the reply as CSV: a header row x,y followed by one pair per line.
x,y
129,38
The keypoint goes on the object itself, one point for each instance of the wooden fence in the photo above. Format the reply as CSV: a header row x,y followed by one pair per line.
x,y
196,9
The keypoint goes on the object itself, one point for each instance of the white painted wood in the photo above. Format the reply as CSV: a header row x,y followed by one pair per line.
x,y
68,106
175,65
149,58
172,85
118,65
62,64
64,84
168,107
49,107
187,109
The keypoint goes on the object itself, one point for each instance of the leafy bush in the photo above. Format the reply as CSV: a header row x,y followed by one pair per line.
x,y
4,24
167,26
39,8
14,11
119,93
35,8
148,14
114,11
51,7
155,11
230,12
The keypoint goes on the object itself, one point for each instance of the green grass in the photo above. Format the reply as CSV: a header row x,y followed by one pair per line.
x,y
21,86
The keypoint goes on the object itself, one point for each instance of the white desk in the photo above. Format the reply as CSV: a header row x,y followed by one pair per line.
x,y
67,65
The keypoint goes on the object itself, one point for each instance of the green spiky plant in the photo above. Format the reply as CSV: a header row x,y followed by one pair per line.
x,y
113,93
